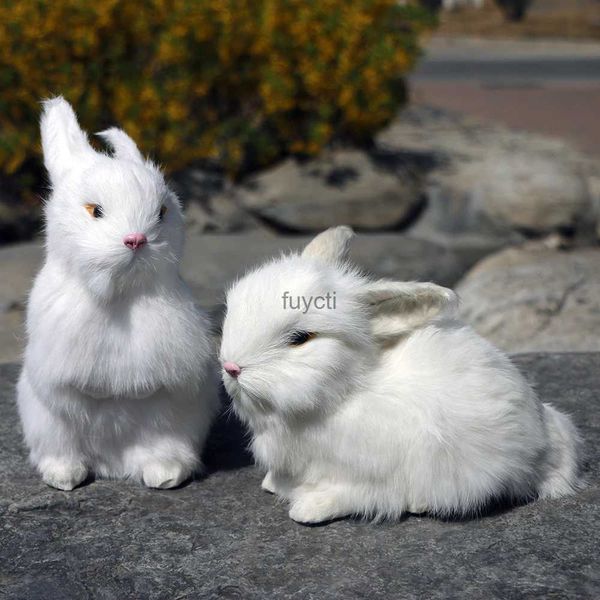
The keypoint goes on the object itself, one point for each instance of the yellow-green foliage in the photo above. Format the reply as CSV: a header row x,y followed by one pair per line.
x,y
240,82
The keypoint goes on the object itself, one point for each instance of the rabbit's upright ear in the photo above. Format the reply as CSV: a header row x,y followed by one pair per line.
x,y
331,246
64,143
124,147
400,307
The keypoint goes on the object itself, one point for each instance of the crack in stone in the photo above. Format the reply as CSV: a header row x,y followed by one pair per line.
x,y
550,313
569,290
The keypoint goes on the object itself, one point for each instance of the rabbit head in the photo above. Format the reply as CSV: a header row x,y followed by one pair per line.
x,y
303,330
111,220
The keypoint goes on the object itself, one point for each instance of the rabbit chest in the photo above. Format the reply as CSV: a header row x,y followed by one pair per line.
x,y
131,348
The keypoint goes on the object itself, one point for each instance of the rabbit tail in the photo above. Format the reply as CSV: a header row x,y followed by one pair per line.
x,y
561,476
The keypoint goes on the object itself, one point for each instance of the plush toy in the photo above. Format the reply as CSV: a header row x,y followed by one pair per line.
x,y
116,378
381,402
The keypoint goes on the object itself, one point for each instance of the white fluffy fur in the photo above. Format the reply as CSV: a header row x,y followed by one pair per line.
x,y
394,406
116,372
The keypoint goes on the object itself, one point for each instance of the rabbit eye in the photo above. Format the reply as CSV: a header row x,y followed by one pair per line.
x,y
162,212
95,210
297,338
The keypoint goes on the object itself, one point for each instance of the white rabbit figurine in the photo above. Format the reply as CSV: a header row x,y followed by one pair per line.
x,y
116,377
370,398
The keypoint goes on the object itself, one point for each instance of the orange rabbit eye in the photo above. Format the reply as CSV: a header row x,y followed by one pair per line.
x,y
95,210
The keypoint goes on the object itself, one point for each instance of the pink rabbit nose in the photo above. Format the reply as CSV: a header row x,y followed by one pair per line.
x,y
232,369
134,240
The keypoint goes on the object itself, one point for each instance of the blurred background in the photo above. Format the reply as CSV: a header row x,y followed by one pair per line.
x,y
461,139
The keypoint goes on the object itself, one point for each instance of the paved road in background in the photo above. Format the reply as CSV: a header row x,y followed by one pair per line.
x,y
511,70
550,88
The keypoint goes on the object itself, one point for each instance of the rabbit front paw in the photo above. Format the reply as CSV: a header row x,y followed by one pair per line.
x,y
317,507
165,475
63,473
417,509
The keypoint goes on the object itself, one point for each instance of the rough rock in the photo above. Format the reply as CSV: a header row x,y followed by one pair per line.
x,y
494,180
536,299
210,202
222,537
218,214
478,179
345,186
529,192
212,262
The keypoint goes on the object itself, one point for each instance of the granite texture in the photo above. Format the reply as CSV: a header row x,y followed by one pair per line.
x,y
222,537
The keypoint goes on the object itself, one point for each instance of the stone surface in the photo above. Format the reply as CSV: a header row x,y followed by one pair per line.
x,y
536,299
18,266
494,180
527,191
210,204
222,537
218,214
340,187
213,261
478,179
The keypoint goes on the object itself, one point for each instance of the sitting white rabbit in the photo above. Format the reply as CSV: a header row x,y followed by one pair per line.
x,y
116,377
370,398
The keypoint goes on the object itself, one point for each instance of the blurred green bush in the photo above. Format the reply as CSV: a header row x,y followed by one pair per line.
x,y
237,82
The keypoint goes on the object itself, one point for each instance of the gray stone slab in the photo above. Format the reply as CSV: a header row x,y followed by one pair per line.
x,y
222,537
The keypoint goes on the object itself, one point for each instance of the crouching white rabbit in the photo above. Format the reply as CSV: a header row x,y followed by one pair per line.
x,y
116,378
370,398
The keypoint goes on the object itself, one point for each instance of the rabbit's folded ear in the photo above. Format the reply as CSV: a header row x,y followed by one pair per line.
x,y
64,143
400,307
331,245
124,147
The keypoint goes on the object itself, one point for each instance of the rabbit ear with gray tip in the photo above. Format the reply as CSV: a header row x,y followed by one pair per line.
x,y
401,307
124,147
331,246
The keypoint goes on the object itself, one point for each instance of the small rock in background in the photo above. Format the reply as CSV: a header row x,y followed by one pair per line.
x,y
487,179
529,192
368,191
535,298
219,214
210,202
